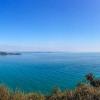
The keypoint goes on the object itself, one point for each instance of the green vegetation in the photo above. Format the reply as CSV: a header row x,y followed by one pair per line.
x,y
81,92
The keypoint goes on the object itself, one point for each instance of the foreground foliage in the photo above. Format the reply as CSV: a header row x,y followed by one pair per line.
x,y
81,92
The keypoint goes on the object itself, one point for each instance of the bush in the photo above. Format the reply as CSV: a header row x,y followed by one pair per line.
x,y
81,92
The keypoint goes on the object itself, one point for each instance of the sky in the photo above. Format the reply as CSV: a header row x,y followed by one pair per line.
x,y
50,25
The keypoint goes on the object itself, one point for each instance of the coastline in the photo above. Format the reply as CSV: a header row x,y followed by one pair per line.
x,y
2,53
83,91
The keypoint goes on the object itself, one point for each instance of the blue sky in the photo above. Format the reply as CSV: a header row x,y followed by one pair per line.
x,y
50,25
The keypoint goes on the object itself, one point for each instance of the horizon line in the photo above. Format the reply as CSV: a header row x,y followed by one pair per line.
x,y
27,51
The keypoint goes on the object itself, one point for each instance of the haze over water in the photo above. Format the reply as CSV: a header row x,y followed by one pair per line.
x,y
40,72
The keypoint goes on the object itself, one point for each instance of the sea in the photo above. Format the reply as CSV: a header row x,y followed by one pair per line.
x,y
43,71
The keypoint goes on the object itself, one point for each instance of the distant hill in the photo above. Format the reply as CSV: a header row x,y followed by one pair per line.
x,y
9,53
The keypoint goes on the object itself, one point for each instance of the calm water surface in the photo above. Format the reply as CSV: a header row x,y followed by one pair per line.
x,y
40,72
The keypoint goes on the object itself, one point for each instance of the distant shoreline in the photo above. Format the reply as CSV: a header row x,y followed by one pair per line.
x,y
9,53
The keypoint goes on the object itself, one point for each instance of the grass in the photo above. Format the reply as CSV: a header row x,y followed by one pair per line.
x,y
81,92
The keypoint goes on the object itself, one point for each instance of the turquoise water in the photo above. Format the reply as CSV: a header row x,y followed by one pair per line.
x,y
40,72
